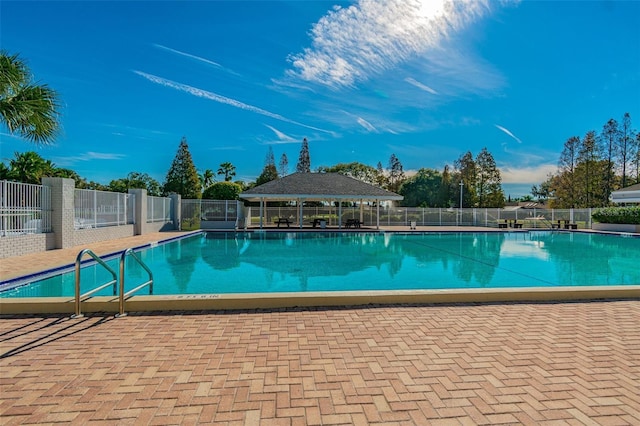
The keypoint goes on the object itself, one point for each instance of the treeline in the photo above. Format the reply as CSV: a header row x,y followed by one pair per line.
x,y
589,169
592,167
480,178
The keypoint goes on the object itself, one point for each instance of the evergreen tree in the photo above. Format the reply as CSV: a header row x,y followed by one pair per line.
x,y
269,172
466,168
304,160
609,137
381,177
488,181
625,147
182,177
396,173
270,159
284,165
446,191
590,173
565,185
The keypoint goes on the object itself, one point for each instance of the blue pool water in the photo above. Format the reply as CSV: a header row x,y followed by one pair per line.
x,y
214,263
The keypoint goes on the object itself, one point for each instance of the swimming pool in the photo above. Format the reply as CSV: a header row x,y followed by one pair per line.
x,y
268,262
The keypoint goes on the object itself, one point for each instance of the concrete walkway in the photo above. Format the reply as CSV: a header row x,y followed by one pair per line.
x,y
575,363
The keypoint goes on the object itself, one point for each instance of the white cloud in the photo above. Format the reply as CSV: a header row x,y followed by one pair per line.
x,y
351,44
221,99
87,156
364,123
518,174
282,137
420,85
508,132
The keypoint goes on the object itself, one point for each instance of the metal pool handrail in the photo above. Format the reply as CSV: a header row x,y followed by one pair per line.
x,y
79,296
123,257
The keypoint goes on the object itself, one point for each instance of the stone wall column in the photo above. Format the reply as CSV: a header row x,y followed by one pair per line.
x,y
176,210
140,210
62,213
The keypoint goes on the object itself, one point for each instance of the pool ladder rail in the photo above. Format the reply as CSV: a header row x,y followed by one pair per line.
x,y
121,293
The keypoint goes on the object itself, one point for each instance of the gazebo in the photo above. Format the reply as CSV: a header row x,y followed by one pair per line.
x,y
630,194
301,187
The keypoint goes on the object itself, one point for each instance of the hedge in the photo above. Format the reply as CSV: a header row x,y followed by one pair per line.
x,y
626,215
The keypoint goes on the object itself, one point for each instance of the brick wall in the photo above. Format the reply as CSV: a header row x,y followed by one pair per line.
x,y
17,245
95,235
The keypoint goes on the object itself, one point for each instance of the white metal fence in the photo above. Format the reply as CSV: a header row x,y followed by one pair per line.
x,y
210,210
24,208
93,209
158,209
404,216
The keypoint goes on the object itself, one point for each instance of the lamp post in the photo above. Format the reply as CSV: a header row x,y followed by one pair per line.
x,y
461,185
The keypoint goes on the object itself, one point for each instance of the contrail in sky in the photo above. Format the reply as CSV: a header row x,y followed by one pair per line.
x,y
508,133
221,99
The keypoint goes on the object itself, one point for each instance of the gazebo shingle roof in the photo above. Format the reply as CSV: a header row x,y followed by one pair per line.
x,y
318,186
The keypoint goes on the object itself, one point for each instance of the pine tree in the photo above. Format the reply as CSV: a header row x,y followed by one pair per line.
x,y
284,165
609,137
466,167
565,186
304,160
590,172
445,192
381,177
182,177
488,181
269,172
269,160
625,147
396,173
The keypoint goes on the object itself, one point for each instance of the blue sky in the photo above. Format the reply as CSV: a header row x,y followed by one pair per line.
x,y
426,80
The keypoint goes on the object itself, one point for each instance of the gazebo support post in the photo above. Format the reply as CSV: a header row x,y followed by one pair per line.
x,y
377,214
340,214
300,202
261,210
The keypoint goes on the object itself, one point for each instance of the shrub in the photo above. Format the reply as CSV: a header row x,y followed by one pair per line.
x,y
626,215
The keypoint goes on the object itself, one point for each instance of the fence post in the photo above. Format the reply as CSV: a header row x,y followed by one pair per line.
x,y
62,210
139,211
176,210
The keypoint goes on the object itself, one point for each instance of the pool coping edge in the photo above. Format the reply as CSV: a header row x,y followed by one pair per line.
x,y
244,301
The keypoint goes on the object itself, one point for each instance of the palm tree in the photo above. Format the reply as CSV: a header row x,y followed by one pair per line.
x,y
207,178
30,167
26,109
228,170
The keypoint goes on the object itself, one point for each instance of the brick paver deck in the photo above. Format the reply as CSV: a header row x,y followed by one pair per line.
x,y
564,363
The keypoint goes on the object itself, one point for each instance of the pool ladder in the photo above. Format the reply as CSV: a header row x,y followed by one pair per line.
x,y
122,294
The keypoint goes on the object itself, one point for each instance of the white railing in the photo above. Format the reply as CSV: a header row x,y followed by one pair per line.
x,y
93,209
158,209
403,216
24,208
195,212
